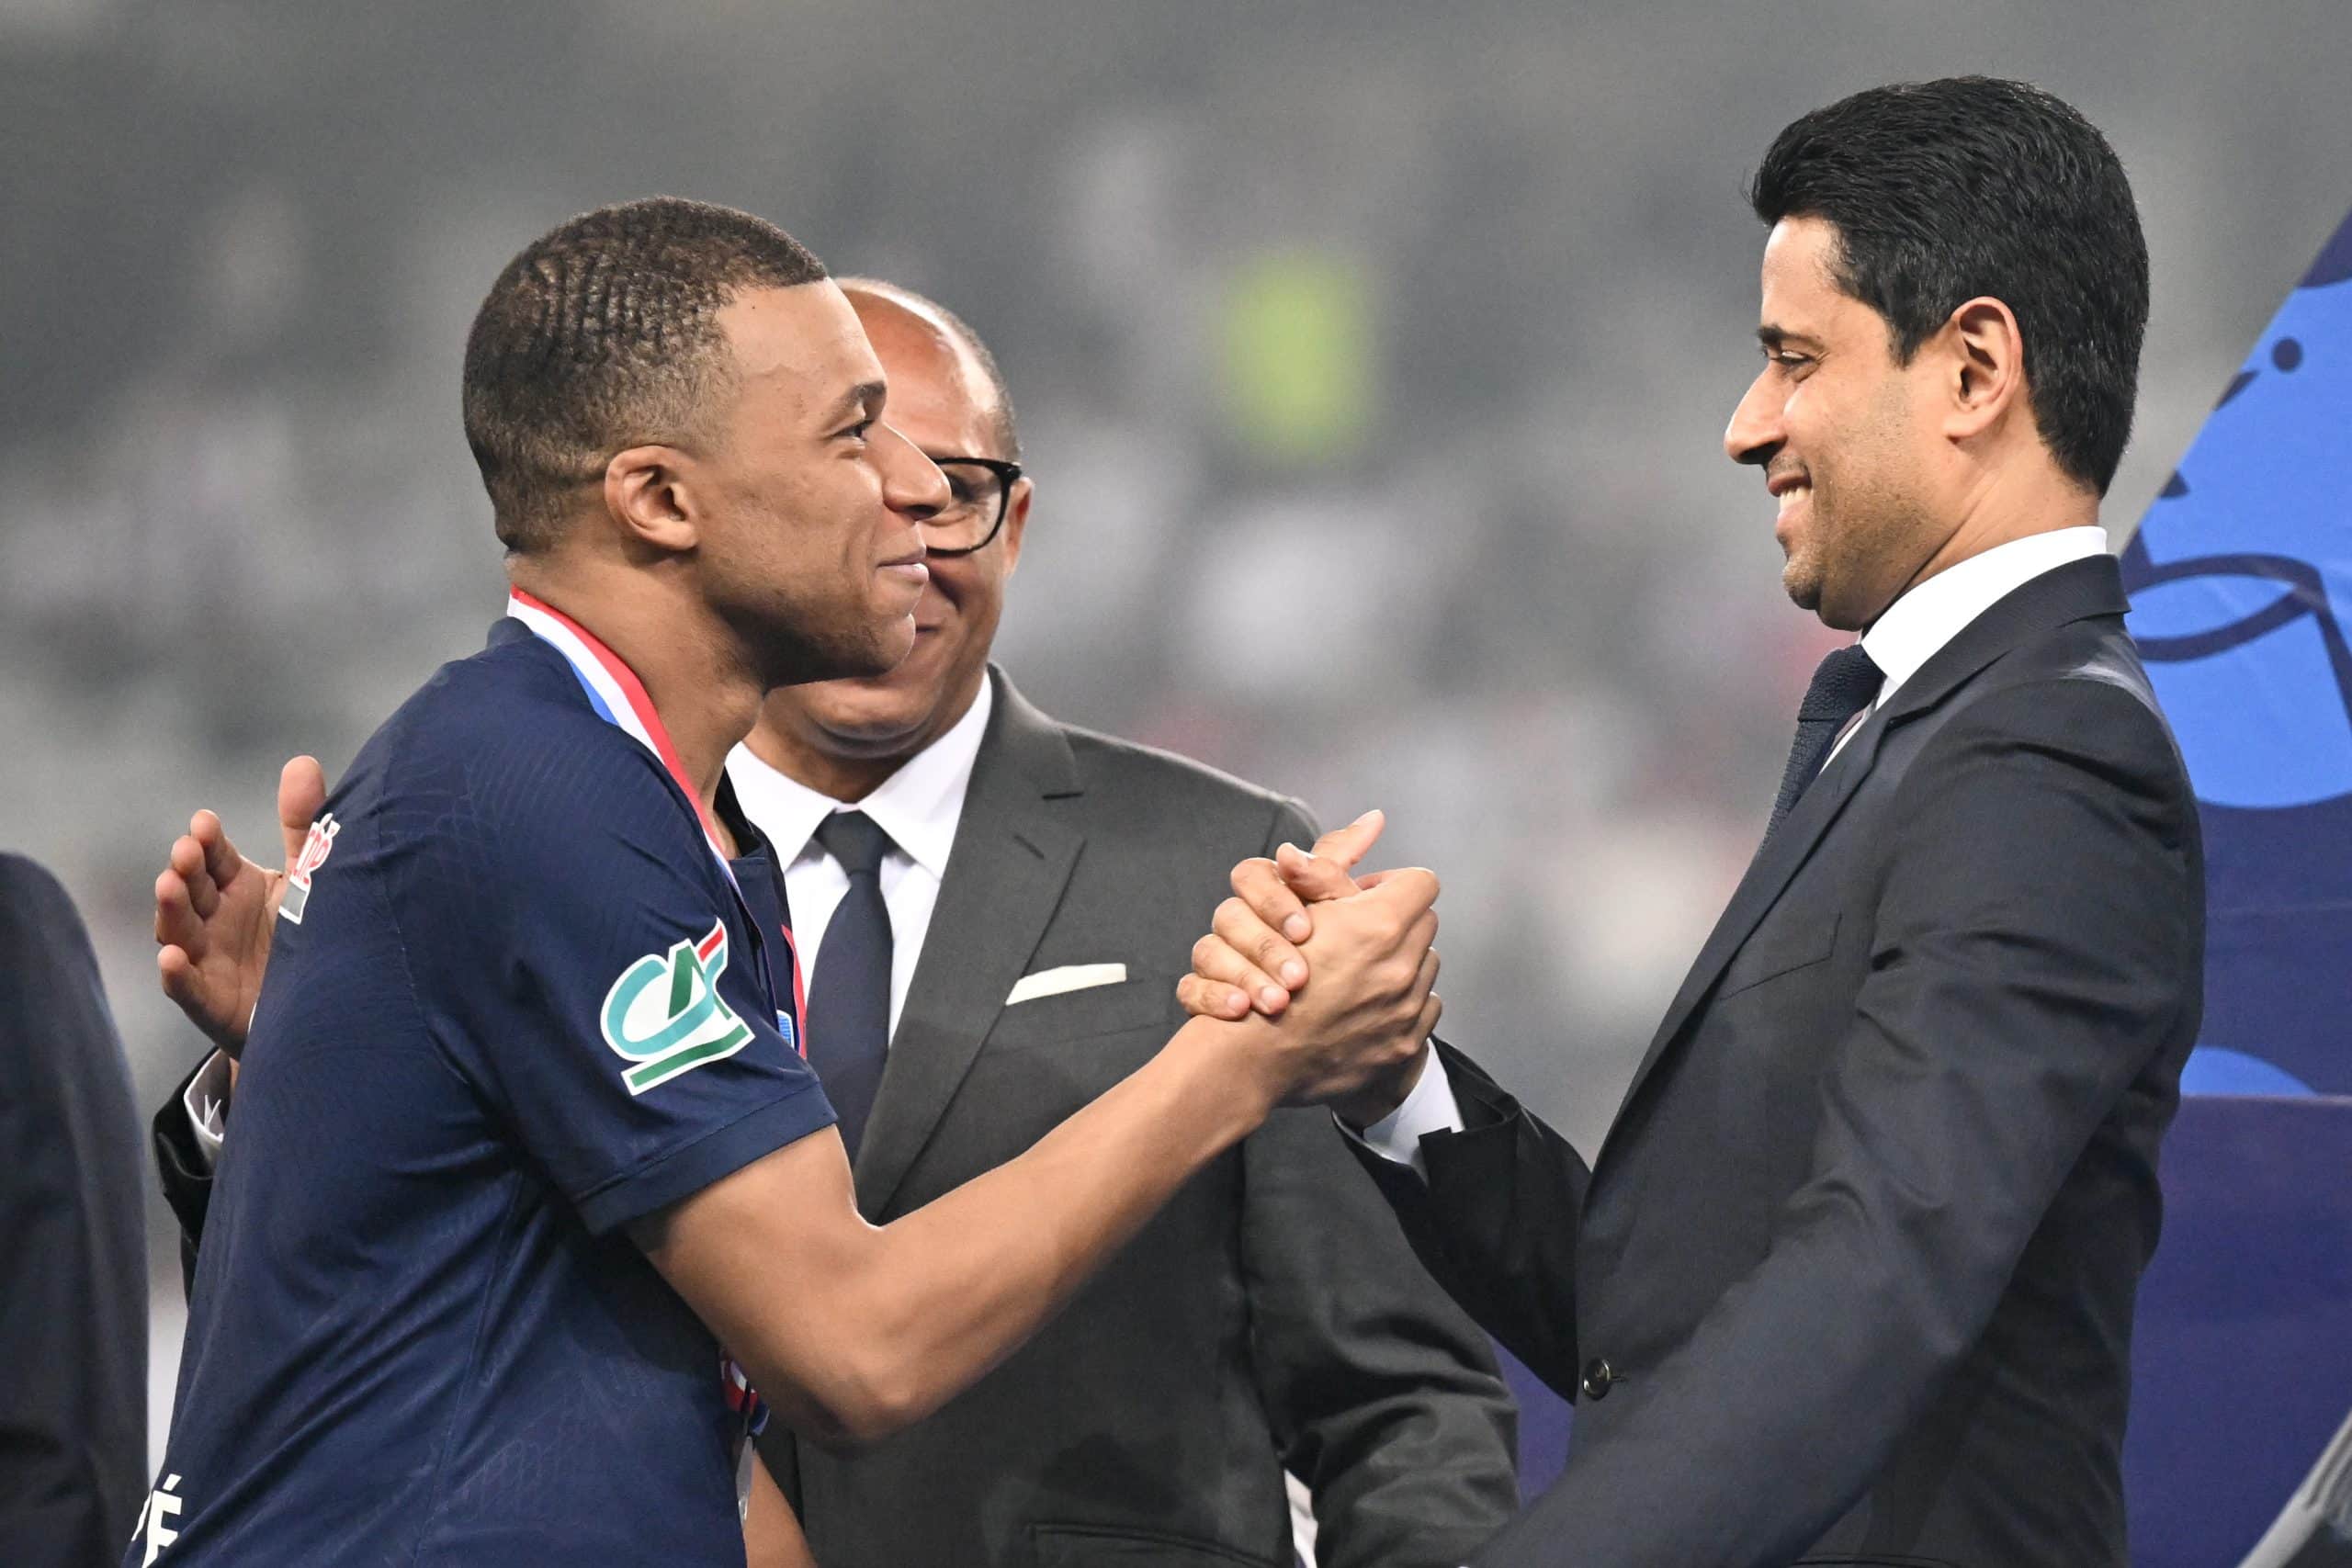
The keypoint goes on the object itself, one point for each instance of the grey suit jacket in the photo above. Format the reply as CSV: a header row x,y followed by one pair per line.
x,y
1851,1280
1271,1315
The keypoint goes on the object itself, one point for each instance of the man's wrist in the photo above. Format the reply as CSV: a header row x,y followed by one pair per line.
x,y
1380,1099
1429,1107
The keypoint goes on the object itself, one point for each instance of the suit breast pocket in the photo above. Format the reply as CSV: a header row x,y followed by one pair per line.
x,y
1780,948
1149,1001
1047,1057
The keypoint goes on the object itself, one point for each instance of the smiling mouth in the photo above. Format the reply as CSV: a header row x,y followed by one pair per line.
x,y
1789,490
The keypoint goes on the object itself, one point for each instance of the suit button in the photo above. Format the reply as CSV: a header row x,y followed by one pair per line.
x,y
1599,1377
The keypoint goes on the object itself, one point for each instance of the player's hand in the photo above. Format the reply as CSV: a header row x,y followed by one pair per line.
x,y
1354,1034
215,911
1345,965
1272,935
1250,957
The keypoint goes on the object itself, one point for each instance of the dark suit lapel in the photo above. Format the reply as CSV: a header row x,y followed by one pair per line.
x,y
2070,592
1005,877
1776,862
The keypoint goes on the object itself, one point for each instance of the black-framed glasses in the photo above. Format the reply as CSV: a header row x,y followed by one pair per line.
x,y
979,494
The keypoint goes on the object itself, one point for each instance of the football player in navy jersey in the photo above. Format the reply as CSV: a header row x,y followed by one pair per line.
x,y
525,1135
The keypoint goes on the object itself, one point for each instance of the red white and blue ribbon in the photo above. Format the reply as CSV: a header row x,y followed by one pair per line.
x,y
619,698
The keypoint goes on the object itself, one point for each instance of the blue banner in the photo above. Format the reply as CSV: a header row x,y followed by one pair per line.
x,y
2241,582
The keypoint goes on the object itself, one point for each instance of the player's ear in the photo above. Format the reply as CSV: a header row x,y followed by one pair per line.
x,y
646,494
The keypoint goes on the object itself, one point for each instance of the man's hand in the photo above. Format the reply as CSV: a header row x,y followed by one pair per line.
x,y
215,911
1250,957
1356,1034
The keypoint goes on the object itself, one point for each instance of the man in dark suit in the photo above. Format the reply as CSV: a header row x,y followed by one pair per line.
x,y
74,1316
1851,1278
993,910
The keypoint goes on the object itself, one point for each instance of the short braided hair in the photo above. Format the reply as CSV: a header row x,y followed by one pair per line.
x,y
602,334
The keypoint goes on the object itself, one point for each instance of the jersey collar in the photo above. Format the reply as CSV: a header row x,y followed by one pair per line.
x,y
618,697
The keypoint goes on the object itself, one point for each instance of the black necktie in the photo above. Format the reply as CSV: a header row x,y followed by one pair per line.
x,y
849,996
1843,685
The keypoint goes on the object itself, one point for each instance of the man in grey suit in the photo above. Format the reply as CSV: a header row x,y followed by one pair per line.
x,y
992,911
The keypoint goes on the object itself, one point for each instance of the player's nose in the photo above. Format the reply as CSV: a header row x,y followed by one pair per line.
x,y
911,483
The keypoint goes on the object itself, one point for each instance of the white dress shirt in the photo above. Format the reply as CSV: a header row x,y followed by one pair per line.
x,y
207,1102
1912,630
919,807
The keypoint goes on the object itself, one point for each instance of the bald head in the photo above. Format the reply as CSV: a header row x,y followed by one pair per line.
x,y
902,322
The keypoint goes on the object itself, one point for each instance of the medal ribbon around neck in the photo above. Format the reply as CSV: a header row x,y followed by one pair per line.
x,y
619,699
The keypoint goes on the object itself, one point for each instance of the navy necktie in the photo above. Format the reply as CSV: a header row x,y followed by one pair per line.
x,y
849,996
1843,685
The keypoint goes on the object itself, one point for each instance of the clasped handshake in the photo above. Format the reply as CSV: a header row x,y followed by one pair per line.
x,y
1337,969
1329,975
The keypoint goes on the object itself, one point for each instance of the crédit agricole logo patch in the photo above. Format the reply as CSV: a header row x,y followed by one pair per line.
x,y
665,1014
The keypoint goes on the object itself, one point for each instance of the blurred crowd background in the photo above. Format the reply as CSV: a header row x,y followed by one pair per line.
x,y
1372,361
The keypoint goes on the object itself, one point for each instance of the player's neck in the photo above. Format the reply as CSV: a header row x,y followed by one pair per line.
x,y
845,760
706,696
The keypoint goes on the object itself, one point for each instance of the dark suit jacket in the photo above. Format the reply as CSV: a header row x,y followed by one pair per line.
x,y
1270,1316
1851,1278
74,1313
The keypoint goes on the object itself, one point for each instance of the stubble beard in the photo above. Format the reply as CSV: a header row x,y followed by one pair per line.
x,y
1800,573
795,638
1856,570
1805,568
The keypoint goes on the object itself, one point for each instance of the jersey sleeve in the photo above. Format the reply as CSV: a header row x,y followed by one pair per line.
x,y
620,1022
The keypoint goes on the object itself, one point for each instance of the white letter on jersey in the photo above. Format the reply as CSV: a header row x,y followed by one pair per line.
x,y
161,1505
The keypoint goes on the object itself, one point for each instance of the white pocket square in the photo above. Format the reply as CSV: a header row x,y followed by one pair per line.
x,y
1068,977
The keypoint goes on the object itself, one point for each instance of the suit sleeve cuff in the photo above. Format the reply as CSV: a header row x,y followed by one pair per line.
x,y
1430,1108
205,1102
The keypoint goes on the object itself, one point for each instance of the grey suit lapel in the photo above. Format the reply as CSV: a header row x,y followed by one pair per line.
x,y
1005,876
2069,592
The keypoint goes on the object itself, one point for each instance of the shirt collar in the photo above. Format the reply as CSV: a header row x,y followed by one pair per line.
x,y
919,805
1915,627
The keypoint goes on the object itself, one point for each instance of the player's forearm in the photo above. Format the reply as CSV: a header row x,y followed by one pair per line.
x,y
947,1291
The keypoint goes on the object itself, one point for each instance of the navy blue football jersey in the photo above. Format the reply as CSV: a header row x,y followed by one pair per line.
x,y
515,1001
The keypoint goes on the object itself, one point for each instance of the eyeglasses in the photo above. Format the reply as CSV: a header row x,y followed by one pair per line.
x,y
980,493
